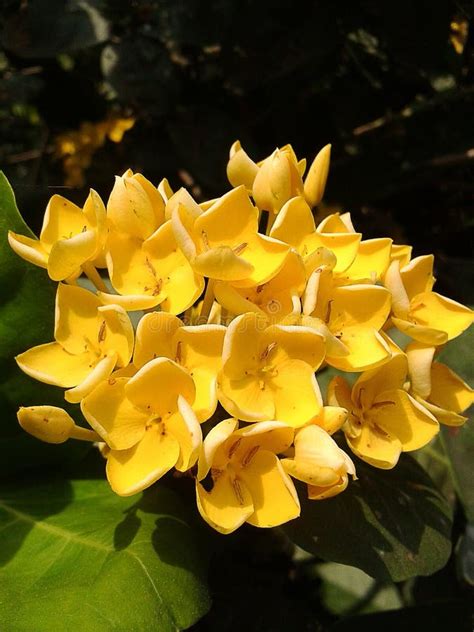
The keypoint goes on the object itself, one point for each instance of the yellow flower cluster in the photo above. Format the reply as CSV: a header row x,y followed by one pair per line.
x,y
76,148
240,300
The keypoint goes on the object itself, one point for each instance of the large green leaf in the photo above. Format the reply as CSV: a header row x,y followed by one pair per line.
x,y
391,524
75,552
26,319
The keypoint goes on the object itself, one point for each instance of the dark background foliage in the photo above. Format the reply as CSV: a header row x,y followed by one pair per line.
x,y
389,84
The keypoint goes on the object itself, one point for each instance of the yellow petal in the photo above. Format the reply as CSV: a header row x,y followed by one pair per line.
x,y
133,470
331,418
367,350
295,392
393,282
372,260
399,415
155,337
62,220
179,282
273,494
76,326
231,299
31,250
273,436
131,302
443,416
339,393
421,333
335,223
448,390
417,276
267,257
420,358
389,377
165,190
115,333
247,398
320,493
113,416
229,220
429,309
376,447
157,385
222,263
154,197
318,460
272,184
185,428
242,346
241,169
68,255
345,247
295,343
130,209
315,181
101,371
294,222
227,506
214,439
183,217
357,305
401,253
130,269
52,364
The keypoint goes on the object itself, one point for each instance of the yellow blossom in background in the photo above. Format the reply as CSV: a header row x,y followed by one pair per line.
x,y
383,420
419,312
245,479
77,148
90,341
147,422
71,238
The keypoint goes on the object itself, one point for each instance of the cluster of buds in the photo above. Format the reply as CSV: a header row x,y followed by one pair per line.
x,y
238,302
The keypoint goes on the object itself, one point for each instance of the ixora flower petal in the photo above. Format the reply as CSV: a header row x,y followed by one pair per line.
x,y
354,314
197,348
268,371
148,423
223,242
436,386
277,299
320,463
240,478
295,226
91,340
420,313
384,420
70,237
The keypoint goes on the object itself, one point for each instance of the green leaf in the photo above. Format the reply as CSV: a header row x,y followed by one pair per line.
x,y
347,589
26,319
391,524
73,551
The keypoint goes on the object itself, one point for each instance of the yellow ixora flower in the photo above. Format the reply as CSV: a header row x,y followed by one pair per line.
x,y
147,422
417,311
354,314
240,478
279,177
320,463
90,341
223,242
70,240
197,348
276,299
436,386
295,225
383,420
268,371
145,265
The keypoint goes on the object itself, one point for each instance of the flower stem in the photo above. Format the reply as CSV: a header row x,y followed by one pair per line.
x,y
207,302
83,434
91,273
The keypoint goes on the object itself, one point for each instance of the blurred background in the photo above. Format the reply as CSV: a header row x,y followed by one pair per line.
x,y
89,88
